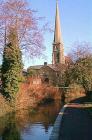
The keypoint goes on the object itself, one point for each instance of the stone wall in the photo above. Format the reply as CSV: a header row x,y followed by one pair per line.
x,y
47,72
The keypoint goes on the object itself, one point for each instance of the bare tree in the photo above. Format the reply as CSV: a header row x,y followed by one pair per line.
x,y
80,50
17,14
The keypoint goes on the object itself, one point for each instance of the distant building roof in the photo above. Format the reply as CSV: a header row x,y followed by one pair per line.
x,y
37,67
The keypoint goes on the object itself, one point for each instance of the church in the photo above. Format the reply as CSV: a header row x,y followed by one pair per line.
x,y
51,73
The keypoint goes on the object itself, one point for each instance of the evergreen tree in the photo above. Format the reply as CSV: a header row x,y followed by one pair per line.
x,y
11,66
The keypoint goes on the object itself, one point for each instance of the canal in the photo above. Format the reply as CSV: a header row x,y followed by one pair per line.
x,y
30,124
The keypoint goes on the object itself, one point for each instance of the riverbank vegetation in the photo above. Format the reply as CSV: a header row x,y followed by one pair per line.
x,y
78,76
29,96
32,95
5,106
20,36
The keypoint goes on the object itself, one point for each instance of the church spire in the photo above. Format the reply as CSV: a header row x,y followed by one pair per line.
x,y
57,33
58,49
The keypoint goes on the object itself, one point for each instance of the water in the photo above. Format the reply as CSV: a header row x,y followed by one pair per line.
x,y
28,124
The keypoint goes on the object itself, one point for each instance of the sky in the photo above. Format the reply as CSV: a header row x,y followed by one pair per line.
x,y
76,24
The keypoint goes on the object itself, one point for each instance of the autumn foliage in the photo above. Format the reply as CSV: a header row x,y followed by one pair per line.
x,y
32,95
4,106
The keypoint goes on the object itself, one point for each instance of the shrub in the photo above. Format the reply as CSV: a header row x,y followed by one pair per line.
x,y
73,92
81,73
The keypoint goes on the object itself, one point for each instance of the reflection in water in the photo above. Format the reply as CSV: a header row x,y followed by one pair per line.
x,y
11,132
28,125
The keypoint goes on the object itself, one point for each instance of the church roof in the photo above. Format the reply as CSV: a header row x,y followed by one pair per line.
x,y
56,68
53,67
38,67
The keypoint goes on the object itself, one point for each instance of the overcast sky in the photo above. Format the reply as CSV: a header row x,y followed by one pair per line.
x,y
76,23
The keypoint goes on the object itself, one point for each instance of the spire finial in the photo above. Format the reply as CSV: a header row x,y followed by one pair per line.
x,y
56,1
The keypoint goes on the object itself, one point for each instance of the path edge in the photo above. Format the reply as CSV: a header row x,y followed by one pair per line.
x,y
56,129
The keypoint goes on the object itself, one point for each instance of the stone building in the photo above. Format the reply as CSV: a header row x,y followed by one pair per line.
x,y
48,73
51,73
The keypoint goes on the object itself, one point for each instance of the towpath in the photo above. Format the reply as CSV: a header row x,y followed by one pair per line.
x,y
76,122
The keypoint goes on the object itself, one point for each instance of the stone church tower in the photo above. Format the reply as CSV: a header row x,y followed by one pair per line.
x,y
58,48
